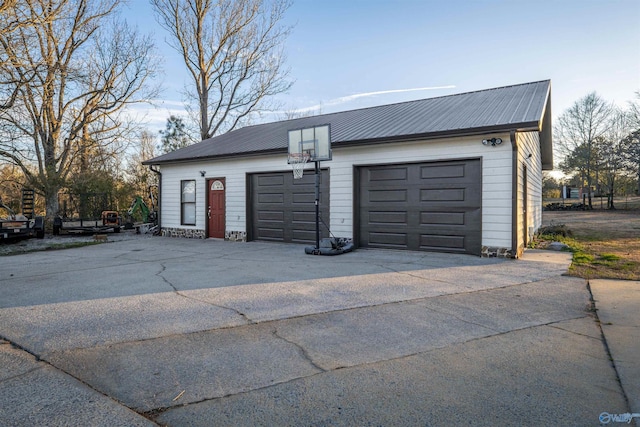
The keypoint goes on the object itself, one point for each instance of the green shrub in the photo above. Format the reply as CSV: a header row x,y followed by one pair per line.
x,y
556,230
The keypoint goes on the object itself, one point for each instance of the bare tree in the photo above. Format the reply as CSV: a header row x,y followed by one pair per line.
x,y
12,18
576,132
614,150
11,185
633,140
633,165
139,177
7,12
6,4
75,72
296,113
233,51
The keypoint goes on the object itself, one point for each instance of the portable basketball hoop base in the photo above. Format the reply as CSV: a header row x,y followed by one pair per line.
x,y
313,144
331,246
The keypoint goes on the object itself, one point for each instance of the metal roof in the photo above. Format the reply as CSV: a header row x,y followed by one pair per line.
x,y
518,107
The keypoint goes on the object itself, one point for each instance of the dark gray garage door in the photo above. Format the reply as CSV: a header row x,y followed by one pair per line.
x,y
283,209
433,206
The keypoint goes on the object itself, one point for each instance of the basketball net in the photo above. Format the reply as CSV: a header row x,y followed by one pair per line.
x,y
297,161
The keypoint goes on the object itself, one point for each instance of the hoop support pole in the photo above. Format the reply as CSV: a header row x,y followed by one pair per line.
x,y
317,205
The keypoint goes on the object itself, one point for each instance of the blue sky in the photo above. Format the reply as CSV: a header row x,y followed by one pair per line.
x,y
347,54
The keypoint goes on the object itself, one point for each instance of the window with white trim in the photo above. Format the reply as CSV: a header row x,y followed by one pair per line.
x,y
188,202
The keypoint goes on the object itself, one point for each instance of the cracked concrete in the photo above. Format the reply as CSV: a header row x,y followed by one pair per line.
x,y
301,349
206,365
159,274
372,337
184,295
36,393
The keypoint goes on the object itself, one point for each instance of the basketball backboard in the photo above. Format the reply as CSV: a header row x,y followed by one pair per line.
x,y
314,141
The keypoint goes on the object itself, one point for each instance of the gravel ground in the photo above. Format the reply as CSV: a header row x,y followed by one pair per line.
x,y
50,241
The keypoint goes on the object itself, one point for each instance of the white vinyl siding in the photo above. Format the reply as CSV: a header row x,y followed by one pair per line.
x,y
529,144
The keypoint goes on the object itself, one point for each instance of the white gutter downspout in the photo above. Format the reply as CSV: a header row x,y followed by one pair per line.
x,y
157,172
514,194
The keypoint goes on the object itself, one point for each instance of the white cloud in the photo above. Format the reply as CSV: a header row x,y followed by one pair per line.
x,y
155,116
349,98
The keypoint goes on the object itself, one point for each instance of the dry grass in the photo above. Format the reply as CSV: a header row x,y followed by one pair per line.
x,y
606,244
600,203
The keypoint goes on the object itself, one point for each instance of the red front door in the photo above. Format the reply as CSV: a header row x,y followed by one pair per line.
x,y
216,208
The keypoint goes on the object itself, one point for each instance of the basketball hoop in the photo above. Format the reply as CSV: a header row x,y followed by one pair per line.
x,y
297,162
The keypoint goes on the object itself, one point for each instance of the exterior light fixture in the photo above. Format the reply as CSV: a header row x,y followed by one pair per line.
x,y
203,173
492,142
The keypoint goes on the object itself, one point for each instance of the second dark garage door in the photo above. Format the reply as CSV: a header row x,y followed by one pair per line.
x,y
283,209
434,206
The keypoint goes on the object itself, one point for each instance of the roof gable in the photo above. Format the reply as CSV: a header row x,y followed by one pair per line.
x,y
518,107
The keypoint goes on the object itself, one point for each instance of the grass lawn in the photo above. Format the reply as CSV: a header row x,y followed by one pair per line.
x,y
605,244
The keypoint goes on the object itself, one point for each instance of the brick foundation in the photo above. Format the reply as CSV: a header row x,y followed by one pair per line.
x,y
235,236
188,233
495,252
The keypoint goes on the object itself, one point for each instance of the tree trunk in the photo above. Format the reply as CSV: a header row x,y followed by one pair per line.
x,y
610,196
51,204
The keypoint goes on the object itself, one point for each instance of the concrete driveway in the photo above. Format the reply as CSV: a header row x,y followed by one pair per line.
x,y
165,331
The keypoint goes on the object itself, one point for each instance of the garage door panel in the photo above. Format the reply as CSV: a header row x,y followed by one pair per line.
x,y
303,198
395,240
388,174
303,236
443,195
283,209
265,198
441,218
421,206
301,216
271,216
388,196
442,171
309,178
388,217
270,180
276,234
438,242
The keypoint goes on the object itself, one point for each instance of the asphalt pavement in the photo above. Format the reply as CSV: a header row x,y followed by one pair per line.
x,y
162,331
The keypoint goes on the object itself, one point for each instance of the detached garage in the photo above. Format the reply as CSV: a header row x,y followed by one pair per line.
x,y
460,174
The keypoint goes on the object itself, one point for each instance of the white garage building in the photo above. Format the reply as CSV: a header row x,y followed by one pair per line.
x,y
460,173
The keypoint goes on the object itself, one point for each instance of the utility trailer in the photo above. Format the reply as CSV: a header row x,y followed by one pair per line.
x,y
84,213
19,226
109,221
